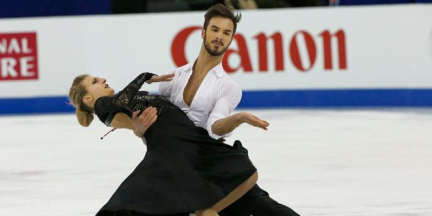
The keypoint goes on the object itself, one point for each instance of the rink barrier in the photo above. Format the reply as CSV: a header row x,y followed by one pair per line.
x,y
36,105
259,100
329,62
337,98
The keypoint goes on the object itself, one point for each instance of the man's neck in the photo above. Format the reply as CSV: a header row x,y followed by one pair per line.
x,y
206,62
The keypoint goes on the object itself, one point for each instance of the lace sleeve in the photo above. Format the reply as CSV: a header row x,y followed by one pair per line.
x,y
121,100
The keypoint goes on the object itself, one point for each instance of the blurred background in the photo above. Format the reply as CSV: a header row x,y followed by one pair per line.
x,y
345,84
311,53
37,8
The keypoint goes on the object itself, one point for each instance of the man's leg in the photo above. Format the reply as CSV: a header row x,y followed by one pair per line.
x,y
135,213
257,202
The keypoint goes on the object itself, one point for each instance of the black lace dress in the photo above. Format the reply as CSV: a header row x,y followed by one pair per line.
x,y
183,170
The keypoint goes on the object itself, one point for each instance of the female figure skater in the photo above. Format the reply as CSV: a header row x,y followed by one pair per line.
x,y
184,170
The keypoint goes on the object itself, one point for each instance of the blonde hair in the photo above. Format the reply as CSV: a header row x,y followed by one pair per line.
x,y
77,91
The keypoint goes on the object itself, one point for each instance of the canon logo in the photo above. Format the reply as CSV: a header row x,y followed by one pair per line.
x,y
323,39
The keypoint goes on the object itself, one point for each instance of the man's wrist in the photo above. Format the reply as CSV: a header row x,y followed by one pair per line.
x,y
239,118
138,134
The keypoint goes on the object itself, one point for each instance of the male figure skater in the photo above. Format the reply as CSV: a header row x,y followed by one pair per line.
x,y
203,90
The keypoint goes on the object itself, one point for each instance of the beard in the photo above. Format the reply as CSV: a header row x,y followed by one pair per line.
x,y
216,51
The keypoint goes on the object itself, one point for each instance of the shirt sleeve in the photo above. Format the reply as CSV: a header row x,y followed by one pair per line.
x,y
224,106
165,88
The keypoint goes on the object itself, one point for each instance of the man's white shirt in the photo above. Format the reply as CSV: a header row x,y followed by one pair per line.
x,y
216,97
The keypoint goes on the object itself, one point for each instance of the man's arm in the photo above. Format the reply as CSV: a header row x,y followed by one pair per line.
x,y
228,124
221,123
140,123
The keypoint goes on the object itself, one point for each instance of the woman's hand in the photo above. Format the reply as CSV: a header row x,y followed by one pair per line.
x,y
162,78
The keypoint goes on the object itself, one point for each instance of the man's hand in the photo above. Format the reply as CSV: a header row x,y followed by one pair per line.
x,y
143,121
162,78
228,124
245,117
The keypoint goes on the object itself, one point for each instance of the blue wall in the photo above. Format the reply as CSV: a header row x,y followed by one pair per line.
x,y
372,2
260,99
35,8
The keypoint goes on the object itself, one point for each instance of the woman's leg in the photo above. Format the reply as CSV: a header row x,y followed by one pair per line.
x,y
230,198
206,212
236,193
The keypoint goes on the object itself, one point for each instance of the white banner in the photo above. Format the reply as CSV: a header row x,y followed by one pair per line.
x,y
380,47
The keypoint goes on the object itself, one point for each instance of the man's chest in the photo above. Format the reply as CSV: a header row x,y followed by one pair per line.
x,y
191,88
196,94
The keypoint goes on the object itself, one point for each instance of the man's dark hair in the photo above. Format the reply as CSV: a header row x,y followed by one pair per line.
x,y
220,10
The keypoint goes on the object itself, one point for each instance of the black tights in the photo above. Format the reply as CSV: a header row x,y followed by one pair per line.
x,y
257,202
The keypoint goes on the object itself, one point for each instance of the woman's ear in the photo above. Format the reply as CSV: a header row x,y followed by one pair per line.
x,y
88,99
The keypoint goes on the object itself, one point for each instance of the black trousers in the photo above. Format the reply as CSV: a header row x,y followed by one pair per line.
x,y
257,202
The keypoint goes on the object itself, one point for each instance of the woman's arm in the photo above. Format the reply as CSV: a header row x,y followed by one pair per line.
x,y
122,99
107,107
121,120
141,122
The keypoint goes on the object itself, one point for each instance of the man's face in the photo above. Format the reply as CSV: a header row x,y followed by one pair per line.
x,y
218,35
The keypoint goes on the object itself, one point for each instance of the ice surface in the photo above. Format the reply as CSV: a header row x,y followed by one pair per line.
x,y
318,162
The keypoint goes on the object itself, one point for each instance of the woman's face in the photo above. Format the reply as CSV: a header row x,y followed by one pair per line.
x,y
97,87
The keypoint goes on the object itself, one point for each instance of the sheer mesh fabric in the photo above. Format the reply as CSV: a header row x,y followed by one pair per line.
x,y
127,100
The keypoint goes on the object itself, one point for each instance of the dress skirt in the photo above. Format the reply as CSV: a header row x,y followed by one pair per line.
x,y
183,170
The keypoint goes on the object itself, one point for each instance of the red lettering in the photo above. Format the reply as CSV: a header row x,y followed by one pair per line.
x,y
303,65
326,36
295,53
243,53
262,51
179,43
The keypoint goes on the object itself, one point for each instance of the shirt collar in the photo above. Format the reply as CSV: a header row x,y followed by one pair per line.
x,y
218,69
